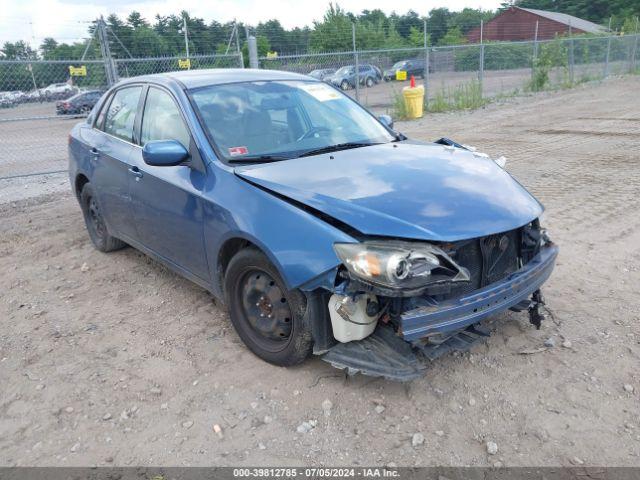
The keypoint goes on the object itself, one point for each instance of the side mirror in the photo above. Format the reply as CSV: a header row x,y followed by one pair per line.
x,y
386,120
164,153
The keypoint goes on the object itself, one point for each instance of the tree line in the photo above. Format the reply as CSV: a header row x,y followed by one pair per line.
x,y
135,36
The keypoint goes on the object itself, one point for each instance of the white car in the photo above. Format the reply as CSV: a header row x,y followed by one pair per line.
x,y
11,98
58,91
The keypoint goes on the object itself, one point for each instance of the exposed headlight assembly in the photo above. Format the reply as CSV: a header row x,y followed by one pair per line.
x,y
399,265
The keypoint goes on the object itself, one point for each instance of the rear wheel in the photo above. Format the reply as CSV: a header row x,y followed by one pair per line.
x,y
95,223
268,318
369,82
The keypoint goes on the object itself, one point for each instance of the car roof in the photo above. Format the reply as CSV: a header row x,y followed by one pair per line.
x,y
216,76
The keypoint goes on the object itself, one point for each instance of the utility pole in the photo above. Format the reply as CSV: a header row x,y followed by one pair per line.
x,y
238,50
111,74
186,34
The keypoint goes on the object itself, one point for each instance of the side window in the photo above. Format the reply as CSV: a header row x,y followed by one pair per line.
x,y
162,119
103,113
121,114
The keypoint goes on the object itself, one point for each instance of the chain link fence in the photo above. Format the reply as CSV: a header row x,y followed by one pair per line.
x,y
39,99
465,76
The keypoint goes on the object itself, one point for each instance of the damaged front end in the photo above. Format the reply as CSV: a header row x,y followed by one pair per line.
x,y
397,305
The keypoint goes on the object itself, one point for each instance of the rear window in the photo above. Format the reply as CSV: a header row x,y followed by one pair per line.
x,y
121,114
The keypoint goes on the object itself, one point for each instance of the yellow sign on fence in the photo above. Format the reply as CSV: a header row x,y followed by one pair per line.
x,y
272,54
78,71
401,75
186,63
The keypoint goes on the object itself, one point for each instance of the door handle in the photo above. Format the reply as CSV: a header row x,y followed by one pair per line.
x,y
95,151
135,171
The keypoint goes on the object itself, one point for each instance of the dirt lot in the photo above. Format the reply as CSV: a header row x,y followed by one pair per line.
x,y
112,359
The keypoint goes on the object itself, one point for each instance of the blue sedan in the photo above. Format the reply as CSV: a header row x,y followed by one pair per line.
x,y
322,229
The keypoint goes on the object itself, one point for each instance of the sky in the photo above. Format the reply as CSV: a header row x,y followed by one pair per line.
x,y
67,20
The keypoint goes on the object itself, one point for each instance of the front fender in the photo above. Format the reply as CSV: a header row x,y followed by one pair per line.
x,y
299,244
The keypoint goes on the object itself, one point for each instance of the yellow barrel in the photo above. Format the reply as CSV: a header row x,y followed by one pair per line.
x,y
414,100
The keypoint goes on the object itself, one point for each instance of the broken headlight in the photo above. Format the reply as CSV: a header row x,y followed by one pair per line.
x,y
399,265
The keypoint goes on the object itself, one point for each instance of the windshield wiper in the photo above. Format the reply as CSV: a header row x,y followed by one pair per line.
x,y
259,159
337,147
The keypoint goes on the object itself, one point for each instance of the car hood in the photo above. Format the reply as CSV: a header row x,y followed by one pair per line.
x,y
408,190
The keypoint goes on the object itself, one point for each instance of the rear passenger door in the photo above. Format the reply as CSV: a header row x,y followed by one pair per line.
x,y
166,200
111,150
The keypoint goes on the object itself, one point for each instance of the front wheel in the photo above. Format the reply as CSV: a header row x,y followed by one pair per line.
x,y
344,85
268,318
369,82
95,223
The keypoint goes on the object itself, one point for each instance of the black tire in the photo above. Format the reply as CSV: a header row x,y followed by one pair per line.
x,y
369,82
94,221
344,85
269,319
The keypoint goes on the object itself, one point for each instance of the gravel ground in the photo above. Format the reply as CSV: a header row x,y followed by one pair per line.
x,y
112,359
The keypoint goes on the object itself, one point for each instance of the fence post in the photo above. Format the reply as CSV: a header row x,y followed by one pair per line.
x,y
606,60
481,70
253,51
635,49
355,59
535,52
426,67
571,59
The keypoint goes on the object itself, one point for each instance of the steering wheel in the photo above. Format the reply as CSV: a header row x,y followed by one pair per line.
x,y
312,131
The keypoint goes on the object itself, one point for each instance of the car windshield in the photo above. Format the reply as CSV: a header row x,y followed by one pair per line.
x,y
283,119
398,65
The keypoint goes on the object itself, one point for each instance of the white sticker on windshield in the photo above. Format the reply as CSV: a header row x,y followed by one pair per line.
x,y
320,91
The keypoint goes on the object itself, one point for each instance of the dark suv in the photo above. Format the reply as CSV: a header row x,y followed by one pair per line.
x,y
345,77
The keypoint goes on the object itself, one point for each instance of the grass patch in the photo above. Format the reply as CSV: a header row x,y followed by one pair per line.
x,y
466,96
398,107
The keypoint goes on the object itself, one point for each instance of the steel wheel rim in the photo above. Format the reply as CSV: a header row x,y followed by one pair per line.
x,y
265,309
96,218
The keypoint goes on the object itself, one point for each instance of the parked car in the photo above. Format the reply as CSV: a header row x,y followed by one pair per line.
x,y
412,67
11,98
322,73
58,91
322,229
34,96
345,77
80,103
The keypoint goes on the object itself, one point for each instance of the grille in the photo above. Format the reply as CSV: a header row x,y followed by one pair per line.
x,y
489,259
499,255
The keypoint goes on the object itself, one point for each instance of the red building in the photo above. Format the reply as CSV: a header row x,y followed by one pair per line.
x,y
517,23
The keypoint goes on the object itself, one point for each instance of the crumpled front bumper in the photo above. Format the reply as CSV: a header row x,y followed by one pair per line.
x,y
451,315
